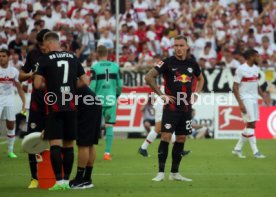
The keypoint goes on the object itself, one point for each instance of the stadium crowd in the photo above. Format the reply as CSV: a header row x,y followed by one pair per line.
x,y
218,31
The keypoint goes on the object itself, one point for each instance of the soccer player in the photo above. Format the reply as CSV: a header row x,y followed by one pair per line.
x,y
89,128
36,116
246,91
106,82
178,72
158,106
59,70
8,79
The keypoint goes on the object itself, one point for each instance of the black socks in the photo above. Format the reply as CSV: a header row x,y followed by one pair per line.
x,y
162,155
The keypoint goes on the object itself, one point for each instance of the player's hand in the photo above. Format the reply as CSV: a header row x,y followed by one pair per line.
x,y
242,108
23,110
168,98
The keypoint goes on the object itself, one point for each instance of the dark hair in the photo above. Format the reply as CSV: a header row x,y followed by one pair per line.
x,y
181,37
50,36
249,53
40,35
3,50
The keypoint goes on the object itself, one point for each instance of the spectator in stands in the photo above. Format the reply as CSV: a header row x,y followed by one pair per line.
x,y
15,62
9,20
229,60
16,45
166,43
265,50
140,8
145,58
129,21
49,19
106,40
131,40
208,54
268,101
107,23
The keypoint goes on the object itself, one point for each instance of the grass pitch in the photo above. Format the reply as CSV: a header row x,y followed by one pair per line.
x,y
214,170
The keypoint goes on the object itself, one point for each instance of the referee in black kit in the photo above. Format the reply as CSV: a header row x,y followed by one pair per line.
x,y
179,73
59,70
36,118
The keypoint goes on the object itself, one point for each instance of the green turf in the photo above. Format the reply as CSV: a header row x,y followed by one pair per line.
x,y
215,172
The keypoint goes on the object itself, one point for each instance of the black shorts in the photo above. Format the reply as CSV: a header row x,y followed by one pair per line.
x,y
152,122
177,121
89,125
36,120
61,125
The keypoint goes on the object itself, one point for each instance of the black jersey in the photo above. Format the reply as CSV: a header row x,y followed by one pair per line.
x,y
37,103
31,59
179,76
60,70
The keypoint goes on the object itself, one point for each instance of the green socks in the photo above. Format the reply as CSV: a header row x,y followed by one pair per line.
x,y
109,138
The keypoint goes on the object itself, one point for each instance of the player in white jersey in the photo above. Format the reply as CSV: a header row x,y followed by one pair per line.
x,y
8,79
158,107
246,90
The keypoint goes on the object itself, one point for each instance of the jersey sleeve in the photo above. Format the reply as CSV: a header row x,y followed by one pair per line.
x,y
238,76
16,78
28,64
40,67
197,70
93,81
119,82
162,66
80,70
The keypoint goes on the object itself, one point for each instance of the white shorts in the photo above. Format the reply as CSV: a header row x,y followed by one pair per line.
x,y
252,110
7,113
158,106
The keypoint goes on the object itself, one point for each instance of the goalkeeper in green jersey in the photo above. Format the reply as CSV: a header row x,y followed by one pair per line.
x,y
106,82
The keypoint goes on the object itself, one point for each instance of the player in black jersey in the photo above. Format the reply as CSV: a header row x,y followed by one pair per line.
x,y
179,73
59,70
89,128
36,117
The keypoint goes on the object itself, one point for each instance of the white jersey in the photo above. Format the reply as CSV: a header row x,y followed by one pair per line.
x,y
247,77
8,76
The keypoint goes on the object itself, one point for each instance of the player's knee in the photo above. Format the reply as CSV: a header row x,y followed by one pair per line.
x,y
166,137
68,143
180,138
251,125
10,125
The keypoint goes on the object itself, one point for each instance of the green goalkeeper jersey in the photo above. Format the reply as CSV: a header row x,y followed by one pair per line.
x,y
106,82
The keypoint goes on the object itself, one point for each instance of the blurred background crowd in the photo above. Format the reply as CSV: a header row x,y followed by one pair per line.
x,y
218,31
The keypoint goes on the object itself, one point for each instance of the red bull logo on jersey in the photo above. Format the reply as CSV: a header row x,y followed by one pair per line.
x,y
183,78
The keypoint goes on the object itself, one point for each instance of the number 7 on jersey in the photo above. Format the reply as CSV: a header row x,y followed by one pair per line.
x,y
64,63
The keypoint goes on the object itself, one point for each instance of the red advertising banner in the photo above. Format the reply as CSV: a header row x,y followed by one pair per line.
x,y
266,126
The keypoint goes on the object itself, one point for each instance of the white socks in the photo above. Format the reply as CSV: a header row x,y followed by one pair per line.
x,y
150,138
240,143
253,144
11,139
248,133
